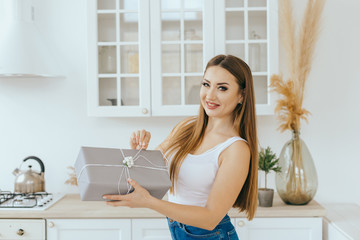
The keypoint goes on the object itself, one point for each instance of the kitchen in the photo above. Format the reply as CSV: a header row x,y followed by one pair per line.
x,y
48,117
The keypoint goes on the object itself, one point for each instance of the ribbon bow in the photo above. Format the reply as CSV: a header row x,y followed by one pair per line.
x,y
128,161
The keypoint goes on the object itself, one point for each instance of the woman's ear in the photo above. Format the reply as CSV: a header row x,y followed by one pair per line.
x,y
241,96
240,100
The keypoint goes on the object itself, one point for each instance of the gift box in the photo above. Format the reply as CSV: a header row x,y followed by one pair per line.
x,y
103,171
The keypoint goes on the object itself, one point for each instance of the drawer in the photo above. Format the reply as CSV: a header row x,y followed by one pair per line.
x,y
29,229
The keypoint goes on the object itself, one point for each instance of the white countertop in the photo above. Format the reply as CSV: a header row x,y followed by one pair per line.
x,y
72,207
345,217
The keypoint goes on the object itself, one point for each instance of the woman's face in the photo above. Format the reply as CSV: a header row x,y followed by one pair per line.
x,y
219,92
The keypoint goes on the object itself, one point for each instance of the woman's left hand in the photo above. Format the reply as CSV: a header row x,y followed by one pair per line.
x,y
139,198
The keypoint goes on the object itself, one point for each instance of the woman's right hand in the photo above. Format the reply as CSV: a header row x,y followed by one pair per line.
x,y
140,139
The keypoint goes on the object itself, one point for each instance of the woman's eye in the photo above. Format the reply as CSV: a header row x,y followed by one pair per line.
x,y
205,84
223,88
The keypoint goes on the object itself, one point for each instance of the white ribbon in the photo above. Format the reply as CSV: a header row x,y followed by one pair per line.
x,y
128,162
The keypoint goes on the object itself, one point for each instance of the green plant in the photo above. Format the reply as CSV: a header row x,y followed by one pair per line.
x,y
268,162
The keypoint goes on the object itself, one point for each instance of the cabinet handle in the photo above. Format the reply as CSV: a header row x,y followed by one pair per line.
x,y
145,111
241,223
20,232
51,224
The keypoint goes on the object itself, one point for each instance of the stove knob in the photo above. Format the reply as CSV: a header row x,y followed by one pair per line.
x,y
20,232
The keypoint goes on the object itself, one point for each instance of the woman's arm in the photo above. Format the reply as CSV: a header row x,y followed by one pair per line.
x,y
229,180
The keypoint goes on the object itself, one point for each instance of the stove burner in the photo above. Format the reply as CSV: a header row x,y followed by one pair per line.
x,y
24,200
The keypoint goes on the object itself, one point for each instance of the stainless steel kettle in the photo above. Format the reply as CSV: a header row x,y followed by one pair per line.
x,y
30,181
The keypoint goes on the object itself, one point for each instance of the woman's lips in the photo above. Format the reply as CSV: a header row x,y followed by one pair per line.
x,y
211,105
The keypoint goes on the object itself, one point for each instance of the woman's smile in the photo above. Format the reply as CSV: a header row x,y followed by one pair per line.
x,y
211,105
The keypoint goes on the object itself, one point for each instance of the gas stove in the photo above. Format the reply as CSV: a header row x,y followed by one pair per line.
x,y
27,201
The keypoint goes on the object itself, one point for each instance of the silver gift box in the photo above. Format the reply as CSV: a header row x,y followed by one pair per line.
x,y
101,171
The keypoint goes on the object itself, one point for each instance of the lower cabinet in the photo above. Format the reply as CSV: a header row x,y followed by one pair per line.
x,y
157,229
332,232
112,229
89,229
279,228
150,229
26,229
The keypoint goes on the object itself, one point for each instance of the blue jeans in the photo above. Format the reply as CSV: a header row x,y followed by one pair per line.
x,y
224,230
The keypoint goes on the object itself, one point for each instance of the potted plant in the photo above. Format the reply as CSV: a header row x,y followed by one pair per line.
x,y
267,162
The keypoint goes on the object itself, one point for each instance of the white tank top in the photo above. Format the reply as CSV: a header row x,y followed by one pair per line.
x,y
197,175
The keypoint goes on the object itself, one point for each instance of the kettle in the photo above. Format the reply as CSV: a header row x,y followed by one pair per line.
x,y
30,181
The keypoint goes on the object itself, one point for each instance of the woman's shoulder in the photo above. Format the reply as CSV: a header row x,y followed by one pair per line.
x,y
238,149
237,144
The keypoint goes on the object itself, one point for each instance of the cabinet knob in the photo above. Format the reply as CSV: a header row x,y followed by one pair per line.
x,y
145,111
51,224
241,223
20,232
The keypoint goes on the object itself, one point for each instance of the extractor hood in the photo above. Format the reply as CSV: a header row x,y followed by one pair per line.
x,y
24,51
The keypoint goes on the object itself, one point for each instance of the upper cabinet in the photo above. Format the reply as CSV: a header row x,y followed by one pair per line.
x,y
119,58
147,57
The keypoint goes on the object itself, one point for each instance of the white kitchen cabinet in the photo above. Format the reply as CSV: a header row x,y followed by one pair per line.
x,y
333,232
148,59
125,229
279,228
150,229
342,221
89,229
257,229
118,58
27,229
299,228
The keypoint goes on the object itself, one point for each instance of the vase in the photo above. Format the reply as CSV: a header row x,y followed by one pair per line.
x,y
297,182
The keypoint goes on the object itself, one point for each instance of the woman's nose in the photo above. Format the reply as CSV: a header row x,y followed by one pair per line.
x,y
211,94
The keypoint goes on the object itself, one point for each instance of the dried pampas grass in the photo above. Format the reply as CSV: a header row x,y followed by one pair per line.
x,y
299,46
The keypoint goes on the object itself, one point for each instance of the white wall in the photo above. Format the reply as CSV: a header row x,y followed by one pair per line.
x,y
47,117
332,97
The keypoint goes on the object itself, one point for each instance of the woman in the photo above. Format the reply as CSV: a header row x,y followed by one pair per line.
x,y
213,157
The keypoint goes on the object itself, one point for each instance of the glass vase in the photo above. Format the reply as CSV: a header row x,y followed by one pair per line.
x,y
297,182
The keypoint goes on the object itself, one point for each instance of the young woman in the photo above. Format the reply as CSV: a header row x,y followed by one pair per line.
x,y
213,158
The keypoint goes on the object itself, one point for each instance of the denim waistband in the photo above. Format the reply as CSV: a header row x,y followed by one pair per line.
x,y
226,219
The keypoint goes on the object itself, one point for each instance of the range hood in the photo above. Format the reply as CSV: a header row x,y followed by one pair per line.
x,y
24,51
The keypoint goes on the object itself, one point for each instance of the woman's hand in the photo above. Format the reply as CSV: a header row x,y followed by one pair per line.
x,y
140,139
139,198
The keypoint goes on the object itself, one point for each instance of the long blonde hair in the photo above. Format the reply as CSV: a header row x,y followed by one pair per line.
x,y
187,136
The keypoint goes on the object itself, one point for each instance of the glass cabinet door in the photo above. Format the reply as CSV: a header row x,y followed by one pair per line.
x,y
246,34
122,81
147,57
178,51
